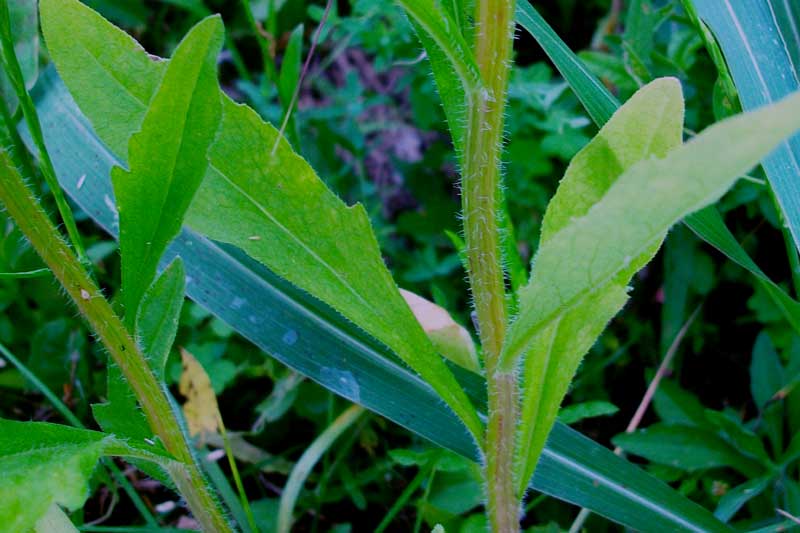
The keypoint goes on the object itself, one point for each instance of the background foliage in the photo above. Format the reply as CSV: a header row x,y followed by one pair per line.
x,y
370,123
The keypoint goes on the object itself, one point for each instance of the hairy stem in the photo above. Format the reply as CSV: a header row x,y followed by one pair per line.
x,y
494,24
45,239
14,73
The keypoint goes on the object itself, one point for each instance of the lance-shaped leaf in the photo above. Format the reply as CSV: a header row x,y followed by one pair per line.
x,y
650,124
601,104
281,203
44,464
90,58
636,212
167,159
451,58
275,208
584,263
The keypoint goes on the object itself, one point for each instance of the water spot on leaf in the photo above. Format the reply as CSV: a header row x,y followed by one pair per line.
x,y
343,382
290,337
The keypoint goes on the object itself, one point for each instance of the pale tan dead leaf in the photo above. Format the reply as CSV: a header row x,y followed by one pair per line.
x,y
201,409
450,339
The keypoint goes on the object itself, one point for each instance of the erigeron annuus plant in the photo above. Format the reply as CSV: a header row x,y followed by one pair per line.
x,y
191,156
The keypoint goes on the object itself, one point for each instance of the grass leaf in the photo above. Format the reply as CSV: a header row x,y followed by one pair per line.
x,y
761,65
24,25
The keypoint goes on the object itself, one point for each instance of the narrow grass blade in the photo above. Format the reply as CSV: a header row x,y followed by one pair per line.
x,y
598,101
762,68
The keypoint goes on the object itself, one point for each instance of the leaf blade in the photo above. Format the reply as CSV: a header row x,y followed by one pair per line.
x,y
167,159
763,72
666,190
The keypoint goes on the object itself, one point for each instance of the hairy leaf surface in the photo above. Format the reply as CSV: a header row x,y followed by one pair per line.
x,y
650,124
451,58
634,215
43,464
309,337
601,104
156,327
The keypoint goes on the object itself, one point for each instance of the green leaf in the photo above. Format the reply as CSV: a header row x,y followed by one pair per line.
x,y
649,124
294,224
23,23
167,159
572,414
159,314
43,464
314,340
735,498
276,209
766,372
675,405
601,104
739,436
604,247
451,58
92,61
761,65
156,327
636,213
685,448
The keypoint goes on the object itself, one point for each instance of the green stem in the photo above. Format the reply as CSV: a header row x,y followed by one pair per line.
x,y
306,463
11,141
237,479
45,239
266,52
494,24
402,500
14,72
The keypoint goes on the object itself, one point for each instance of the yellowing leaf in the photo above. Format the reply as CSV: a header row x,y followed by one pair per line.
x,y
449,338
201,409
